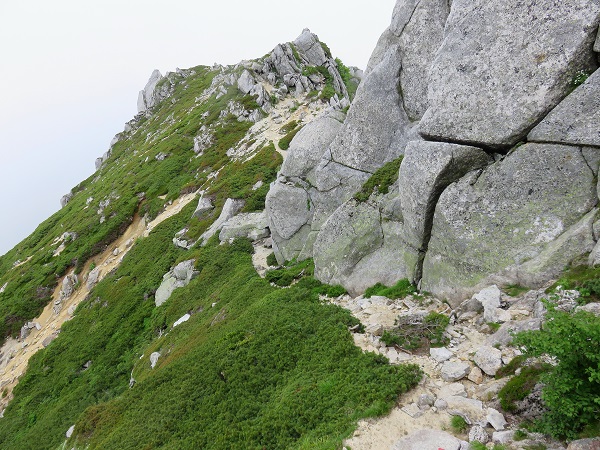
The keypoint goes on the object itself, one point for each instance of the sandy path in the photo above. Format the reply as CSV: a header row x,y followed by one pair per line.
x,y
19,352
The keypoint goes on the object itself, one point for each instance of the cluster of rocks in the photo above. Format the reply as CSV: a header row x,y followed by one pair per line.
x,y
498,182
229,225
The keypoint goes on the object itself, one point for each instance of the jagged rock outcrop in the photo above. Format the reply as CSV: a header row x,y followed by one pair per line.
x,y
230,209
147,98
486,73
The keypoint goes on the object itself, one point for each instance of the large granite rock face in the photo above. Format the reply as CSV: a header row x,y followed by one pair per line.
x,y
504,64
461,217
427,169
381,120
331,164
493,220
576,120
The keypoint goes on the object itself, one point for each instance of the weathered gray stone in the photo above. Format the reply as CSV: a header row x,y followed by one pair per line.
x,y
349,235
478,433
181,320
597,43
576,120
593,308
455,370
426,170
426,400
491,221
392,261
308,146
230,209
377,127
165,290
440,354
427,440
185,270
496,419
65,199
476,375
68,286
417,30
93,277
204,205
578,240
154,359
471,410
288,209
585,444
452,390
503,437
413,410
179,276
490,298
504,334
246,82
251,225
488,359
504,64
308,45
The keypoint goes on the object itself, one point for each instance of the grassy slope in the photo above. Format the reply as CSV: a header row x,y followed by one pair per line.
x,y
278,369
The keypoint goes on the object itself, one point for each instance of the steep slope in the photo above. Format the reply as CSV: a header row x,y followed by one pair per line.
x,y
136,308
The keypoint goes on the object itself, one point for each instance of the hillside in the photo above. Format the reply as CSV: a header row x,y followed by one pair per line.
x,y
275,253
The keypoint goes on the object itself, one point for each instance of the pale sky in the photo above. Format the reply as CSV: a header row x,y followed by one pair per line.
x,y
70,72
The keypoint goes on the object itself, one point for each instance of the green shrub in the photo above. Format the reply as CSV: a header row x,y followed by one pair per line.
x,y
272,260
380,181
520,435
401,289
511,367
514,290
579,78
284,142
571,390
459,424
290,272
583,278
476,445
411,334
520,386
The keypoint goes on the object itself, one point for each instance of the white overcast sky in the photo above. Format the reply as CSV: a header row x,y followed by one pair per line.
x,y
70,72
